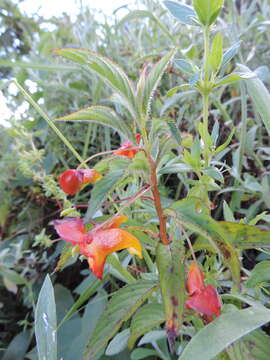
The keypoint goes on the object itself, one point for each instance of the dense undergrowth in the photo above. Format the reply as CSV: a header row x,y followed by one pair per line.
x,y
33,157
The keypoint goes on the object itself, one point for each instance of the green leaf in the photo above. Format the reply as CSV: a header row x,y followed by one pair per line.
x,y
226,143
12,276
227,212
149,82
118,343
230,53
233,77
37,66
215,57
193,214
170,263
260,97
104,116
120,270
101,190
185,66
259,274
17,348
142,353
207,10
110,72
145,319
224,331
214,173
120,308
182,12
45,322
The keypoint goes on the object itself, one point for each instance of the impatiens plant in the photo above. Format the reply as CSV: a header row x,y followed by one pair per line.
x,y
164,283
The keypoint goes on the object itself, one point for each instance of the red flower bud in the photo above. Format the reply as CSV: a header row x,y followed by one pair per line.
x,y
71,181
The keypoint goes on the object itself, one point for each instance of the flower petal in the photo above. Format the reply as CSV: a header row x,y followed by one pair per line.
x,y
89,175
103,243
195,279
205,301
116,221
71,181
71,230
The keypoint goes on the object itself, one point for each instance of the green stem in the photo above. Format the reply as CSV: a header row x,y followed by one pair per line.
x,y
49,121
206,36
87,140
205,129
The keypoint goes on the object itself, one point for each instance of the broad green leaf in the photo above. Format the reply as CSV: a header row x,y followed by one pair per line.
x,y
139,14
110,72
101,115
207,10
258,345
260,97
214,173
118,343
170,263
215,57
193,214
184,66
224,331
101,190
182,12
36,66
45,322
260,273
120,308
149,82
145,319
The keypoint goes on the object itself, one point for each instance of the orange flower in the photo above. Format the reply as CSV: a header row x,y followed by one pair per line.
x,y
203,299
100,241
71,181
128,149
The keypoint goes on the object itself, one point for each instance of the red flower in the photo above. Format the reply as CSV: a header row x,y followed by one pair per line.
x,y
203,299
71,181
128,149
99,242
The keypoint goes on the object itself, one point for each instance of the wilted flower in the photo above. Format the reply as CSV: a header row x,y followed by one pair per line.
x,y
97,243
203,299
71,181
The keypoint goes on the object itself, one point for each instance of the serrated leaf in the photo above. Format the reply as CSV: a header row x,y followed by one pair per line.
x,y
193,214
224,331
120,308
260,97
182,12
145,319
101,190
101,115
45,322
149,82
110,72
170,263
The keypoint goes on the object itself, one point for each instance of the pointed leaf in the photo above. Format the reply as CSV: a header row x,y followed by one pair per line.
x,y
170,263
149,83
101,115
215,58
110,72
45,322
224,331
207,10
184,66
260,97
145,319
233,77
120,308
230,53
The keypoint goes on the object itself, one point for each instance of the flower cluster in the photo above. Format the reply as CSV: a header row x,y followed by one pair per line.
x,y
71,181
203,299
97,243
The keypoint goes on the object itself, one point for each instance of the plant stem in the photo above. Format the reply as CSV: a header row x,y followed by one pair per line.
x,y
206,36
49,121
157,201
205,128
